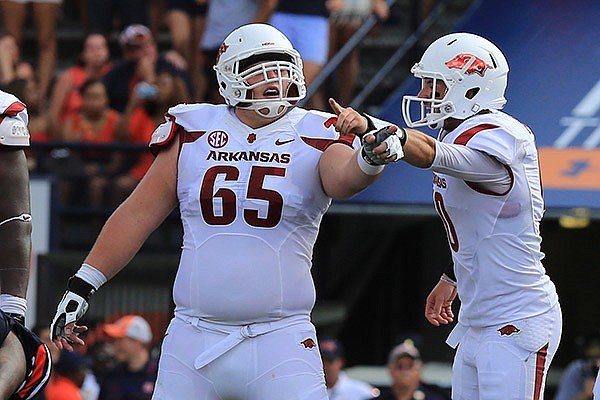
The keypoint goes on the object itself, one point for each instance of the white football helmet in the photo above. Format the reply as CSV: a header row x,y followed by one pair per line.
x,y
474,71
255,50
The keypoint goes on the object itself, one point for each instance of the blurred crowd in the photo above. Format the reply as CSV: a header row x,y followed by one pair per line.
x,y
102,107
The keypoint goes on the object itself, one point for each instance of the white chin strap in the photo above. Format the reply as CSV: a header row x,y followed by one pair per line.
x,y
268,109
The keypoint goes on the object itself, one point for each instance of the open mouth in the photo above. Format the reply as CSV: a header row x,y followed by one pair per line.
x,y
271,91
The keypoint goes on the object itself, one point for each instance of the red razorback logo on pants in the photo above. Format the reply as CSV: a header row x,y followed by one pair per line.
x,y
478,66
508,330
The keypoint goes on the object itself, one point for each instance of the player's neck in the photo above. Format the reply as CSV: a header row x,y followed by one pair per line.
x,y
253,119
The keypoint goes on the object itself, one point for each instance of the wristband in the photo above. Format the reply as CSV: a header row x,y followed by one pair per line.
x,y
444,278
13,304
366,167
91,275
370,125
80,287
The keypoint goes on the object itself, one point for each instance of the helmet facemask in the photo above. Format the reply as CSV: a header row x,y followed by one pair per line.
x,y
278,70
432,110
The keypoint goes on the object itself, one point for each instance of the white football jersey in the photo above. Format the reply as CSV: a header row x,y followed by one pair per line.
x,y
494,237
251,202
13,121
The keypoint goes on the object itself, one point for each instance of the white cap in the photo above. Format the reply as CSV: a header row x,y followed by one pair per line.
x,y
131,326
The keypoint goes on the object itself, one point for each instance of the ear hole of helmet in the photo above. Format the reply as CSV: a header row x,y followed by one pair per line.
x,y
472,93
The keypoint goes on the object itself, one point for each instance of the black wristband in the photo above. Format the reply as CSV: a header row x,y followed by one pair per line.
x,y
449,271
370,125
401,133
81,287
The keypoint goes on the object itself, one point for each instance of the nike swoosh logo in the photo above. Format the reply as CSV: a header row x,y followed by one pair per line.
x,y
280,142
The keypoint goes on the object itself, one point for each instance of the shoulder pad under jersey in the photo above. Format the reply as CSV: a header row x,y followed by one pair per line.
x,y
13,132
163,134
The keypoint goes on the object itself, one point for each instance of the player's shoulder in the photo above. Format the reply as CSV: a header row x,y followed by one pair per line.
x,y
312,123
485,127
192,116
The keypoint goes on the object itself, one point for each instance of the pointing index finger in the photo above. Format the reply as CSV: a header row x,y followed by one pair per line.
x,y
335,106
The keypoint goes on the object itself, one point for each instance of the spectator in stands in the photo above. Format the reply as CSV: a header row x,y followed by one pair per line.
x,y
94,63
45,14
339,385
342,25
134,375
405,366
185,19
102,13
222,17
95,122
306,24
69,373
577,381
141,63
145,111
103,358
12,67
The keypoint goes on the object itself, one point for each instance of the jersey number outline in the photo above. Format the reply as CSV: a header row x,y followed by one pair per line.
x,y
228,198
438,201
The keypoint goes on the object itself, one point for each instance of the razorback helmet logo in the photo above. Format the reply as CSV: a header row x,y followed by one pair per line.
x,y
222,49
478,66
508,330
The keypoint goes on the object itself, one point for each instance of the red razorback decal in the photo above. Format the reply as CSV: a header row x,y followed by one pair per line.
x,y
308,343
508,330
478,66
222,49
330,121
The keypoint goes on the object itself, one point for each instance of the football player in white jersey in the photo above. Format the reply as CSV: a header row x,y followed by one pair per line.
x,y
488,193
252,179
24,359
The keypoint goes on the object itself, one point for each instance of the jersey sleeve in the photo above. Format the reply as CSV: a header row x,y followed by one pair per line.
x,y
164,134
13,131
13,121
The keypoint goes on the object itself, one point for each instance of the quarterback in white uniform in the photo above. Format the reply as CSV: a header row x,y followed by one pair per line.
x,y
252,180
488,193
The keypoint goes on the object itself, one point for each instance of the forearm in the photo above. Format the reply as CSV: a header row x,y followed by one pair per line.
x,y
419,149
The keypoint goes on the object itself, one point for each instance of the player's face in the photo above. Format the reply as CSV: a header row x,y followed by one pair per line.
x,y
432,89
273,87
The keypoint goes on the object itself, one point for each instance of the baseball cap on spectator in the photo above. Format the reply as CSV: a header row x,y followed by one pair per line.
x,y
134,36
131,326
405,349
331,349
